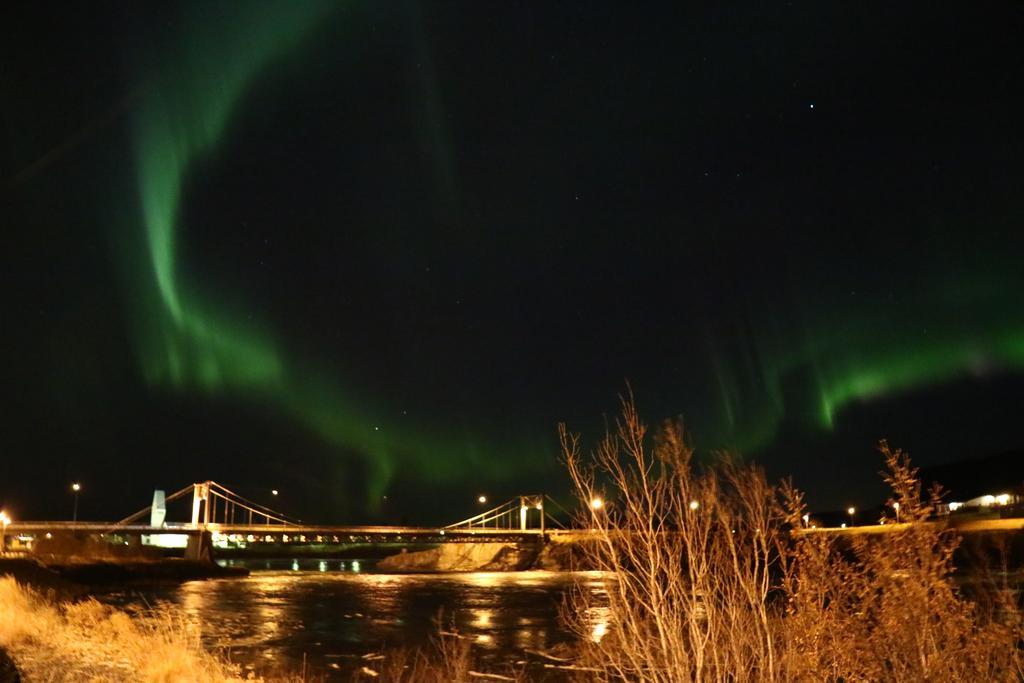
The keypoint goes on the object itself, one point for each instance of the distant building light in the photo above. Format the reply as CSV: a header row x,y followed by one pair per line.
x,y
986,501
953,507
1003,498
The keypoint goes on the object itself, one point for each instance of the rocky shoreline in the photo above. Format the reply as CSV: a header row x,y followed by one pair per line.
x,y
490,556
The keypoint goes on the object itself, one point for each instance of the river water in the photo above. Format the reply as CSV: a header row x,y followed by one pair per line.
x,y
331,613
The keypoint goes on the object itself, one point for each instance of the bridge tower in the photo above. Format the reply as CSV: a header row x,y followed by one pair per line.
x,y
158,511
524,508
201,495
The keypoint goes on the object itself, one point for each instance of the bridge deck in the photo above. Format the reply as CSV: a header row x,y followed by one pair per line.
x,y
274,529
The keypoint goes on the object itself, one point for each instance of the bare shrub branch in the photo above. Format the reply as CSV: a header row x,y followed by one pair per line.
x,y
713,578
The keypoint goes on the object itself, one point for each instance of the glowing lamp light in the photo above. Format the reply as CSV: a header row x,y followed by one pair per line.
x,y
851,511
694,505
987,500
76,487
596,503
807,519
953,507
273,492
1003,498
481,499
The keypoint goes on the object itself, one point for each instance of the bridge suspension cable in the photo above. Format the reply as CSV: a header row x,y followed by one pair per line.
x,y
233,501
230,504
500,516
551,517
149,508
510,515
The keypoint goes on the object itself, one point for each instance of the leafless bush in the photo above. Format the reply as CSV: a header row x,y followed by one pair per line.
x,y
714,578
889,609
693,553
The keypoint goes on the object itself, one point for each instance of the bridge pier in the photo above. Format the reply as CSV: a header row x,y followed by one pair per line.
x,y
200,547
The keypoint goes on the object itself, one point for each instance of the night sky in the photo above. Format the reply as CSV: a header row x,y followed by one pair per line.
x,y
357,250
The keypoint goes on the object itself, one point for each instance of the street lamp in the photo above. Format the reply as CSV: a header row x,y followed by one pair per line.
x,y
75,488
694,505
273,492
596,503
807,519
851,511
481,499
896,507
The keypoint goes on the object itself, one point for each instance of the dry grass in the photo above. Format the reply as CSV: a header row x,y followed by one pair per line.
x,y
714,581
87,641
449,659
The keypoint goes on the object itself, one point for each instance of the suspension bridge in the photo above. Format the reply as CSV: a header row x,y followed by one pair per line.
x,y
219,514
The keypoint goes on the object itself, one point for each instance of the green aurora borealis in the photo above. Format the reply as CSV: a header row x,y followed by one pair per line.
x,y
869,354
382,249
190,340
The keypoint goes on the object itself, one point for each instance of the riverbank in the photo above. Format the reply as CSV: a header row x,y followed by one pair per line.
x,y
70,577
49,630
84,640
159,636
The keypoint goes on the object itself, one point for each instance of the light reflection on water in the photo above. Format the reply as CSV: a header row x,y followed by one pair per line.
x,y
333,611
